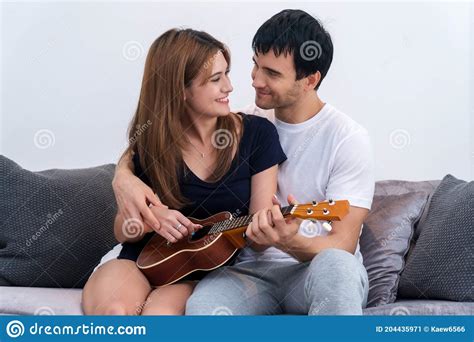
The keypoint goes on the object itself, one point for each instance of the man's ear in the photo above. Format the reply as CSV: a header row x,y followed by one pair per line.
x,y
312,81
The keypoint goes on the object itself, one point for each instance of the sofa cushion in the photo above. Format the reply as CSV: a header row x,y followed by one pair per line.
x,y
39,301
422,307
385,241
441,265
48,301
400,187
55,224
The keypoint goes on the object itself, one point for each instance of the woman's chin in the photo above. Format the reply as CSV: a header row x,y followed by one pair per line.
x,y
219,115
223,111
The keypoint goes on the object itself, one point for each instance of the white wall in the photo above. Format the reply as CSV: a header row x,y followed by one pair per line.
x,y
403,70
471,87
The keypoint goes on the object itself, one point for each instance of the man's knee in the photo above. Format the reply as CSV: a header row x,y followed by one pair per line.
x,y
334,259
335,265
199,304
214,300
202,300
192,305
336,277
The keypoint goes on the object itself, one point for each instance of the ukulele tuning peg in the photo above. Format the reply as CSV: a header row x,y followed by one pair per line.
x,y
314,203
331,201
327,226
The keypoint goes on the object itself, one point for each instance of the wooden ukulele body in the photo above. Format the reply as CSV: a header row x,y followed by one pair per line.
x,y
164,263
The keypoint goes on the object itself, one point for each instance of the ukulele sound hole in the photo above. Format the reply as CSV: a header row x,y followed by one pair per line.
x,y
200,233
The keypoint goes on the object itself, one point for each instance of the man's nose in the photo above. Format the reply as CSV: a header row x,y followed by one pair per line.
x,y
257,81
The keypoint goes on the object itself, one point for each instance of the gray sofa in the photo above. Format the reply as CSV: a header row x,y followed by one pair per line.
x,y
44,275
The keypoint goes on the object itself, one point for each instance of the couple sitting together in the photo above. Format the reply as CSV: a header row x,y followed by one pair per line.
x,y
195,158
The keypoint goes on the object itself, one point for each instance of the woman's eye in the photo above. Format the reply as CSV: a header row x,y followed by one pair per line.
x,y
215,80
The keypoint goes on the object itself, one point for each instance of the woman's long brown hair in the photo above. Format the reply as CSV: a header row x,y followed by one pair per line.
x,y
174,60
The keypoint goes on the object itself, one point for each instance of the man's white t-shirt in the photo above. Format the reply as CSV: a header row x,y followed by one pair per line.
x,y
329,157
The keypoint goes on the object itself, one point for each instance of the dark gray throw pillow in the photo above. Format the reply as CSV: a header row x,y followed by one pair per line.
x,y
385,241
441,265
55,224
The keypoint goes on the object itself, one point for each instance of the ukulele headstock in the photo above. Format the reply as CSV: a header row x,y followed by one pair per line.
x,y
327,210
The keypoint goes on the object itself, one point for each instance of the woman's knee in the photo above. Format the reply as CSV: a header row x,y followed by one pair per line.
x,y
114,289
114,308
168,300
165,310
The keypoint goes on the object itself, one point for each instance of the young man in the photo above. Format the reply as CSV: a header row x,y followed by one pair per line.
x,y
298,267
294,266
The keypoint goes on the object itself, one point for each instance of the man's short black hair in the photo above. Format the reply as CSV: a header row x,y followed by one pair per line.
x,y
298,33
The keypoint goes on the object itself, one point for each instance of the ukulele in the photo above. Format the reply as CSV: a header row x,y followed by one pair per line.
x,y
213,245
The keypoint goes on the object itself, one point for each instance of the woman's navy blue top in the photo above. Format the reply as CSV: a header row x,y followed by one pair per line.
x,y
259,149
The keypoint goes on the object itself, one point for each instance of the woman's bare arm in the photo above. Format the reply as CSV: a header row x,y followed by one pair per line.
x,y
132,194
136,217
263,188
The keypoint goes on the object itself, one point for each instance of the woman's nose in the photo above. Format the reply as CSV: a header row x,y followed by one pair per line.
x,y
227,86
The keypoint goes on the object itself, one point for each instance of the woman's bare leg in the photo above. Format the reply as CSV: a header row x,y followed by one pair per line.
x,y
116,288
169,300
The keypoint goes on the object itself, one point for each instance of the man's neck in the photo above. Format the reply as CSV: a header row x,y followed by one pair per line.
x,y
301,110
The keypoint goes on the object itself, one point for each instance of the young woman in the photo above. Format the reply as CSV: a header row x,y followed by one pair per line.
x,y
197,156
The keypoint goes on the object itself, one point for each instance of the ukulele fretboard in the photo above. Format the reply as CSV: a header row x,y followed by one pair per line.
x,y
241,221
